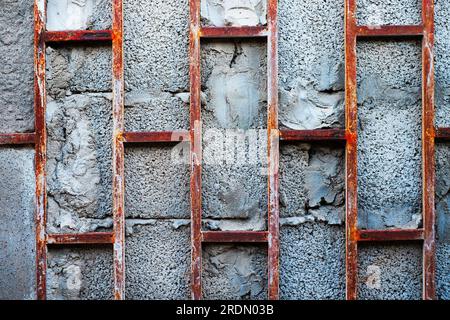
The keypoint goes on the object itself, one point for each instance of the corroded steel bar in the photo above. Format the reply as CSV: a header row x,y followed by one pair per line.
x,y
442,134
313,135
428,161
40,148
273,151
118,151
161,136
196,150
235,236
390,235
351,176
17,138
78,36
389,31
81,238
233,32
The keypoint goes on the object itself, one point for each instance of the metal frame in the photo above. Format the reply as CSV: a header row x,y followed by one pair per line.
x,y
425,31
349,136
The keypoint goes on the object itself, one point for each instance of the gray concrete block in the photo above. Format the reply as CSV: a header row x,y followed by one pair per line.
x,y
390,271
16,66
234,272
17,231
156,185
382,12
312,261
389,134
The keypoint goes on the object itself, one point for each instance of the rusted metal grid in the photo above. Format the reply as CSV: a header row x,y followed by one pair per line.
x,y
270,237
425,31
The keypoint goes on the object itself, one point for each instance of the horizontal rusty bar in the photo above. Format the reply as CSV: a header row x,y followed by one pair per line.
x,y
390,235
442,133
81,238
17,138
233,32
389,31
77,36
313,135
161,136
235,236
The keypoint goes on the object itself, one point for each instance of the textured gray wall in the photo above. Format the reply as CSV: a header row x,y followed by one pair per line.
x,y
311,76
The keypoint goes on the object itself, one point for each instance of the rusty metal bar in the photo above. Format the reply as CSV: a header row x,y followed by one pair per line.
x,y
195,150
313,135
390,235
149,137
235,236
40,101
118,150
442,134
428,160
78,36
389,31
351,175
81,238
273,151
17,138
233,32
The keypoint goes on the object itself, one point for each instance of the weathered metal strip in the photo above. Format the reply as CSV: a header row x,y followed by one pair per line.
x,y
40,100
196,150
337,135
428,156
389,31
118,151
235,236
81,238
351,176
161,136
390,235
17,138
442,134
78,36
273,151
233,32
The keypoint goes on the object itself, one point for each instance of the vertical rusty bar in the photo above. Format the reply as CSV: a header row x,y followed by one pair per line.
x,y
196,149
273,151
428,163
118,151
40,147
351,167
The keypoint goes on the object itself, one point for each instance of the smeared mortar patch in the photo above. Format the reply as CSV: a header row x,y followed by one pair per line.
x,y
79,162
233,12
232,272
304,108
78,14
233,75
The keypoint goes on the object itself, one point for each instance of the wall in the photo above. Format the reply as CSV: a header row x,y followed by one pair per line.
x,y
311,78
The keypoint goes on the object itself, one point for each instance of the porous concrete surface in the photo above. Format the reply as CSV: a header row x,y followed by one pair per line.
x,y
389,134
312,261
234,272
16,66
17,232
156,183
390,271
391,12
